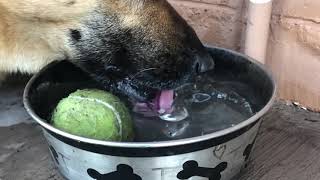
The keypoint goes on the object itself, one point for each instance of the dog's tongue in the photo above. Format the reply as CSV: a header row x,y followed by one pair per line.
x,y
160,105
164,101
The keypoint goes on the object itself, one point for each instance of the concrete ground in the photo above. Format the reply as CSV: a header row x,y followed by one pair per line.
x,y
287,147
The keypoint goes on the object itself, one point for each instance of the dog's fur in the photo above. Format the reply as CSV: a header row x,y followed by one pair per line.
x,y
145,40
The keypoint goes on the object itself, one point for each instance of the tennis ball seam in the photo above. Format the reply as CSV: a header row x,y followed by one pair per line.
x,y
106,105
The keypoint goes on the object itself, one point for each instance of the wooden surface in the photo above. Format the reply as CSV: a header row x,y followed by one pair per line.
x,y
288,148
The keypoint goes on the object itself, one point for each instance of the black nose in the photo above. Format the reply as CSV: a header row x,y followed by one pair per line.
x,y
203,63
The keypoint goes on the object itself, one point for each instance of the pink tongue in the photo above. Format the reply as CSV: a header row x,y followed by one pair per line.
x,y
160,105
165,101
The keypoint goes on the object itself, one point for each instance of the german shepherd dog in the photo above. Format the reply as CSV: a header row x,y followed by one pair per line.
x,y
135,47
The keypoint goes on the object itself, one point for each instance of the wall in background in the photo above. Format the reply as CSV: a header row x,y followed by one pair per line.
x,y
217,22
294,42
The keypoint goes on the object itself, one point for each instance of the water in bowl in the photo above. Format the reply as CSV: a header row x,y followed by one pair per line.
x,y
213,103
201,108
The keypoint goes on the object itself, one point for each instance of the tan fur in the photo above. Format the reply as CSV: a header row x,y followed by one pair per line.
x,y
53,10
129,10
154,16
34,32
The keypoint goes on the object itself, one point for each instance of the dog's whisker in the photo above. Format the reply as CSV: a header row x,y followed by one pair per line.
x,y
142,71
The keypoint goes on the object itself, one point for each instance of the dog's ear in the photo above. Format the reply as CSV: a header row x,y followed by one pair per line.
x,y
48,10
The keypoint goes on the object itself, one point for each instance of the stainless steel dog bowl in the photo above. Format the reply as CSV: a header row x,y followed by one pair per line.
x,y
220,155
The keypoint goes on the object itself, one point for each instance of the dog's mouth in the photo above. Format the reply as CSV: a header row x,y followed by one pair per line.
x,y
147,95
150,92
161,104
145,99
160,94
152,89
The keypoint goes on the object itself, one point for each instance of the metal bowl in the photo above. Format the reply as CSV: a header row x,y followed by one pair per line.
x,y
215,156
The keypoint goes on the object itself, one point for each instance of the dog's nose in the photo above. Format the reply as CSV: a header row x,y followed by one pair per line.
x,y
203,63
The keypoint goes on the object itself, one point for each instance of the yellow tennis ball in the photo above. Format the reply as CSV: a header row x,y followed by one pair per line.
x,y
94,114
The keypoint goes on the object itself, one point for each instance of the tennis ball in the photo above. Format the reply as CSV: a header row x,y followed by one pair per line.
x,y
95,114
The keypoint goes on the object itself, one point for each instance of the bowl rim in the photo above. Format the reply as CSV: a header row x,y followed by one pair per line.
x,y
157,144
